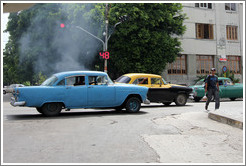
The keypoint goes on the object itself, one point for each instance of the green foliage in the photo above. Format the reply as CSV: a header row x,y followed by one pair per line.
x,y
228,75
37,46
148,41
39,78
231,76
27,83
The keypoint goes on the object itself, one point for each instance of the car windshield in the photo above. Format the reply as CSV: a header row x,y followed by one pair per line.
x,y
165,83
123,79
50,81
201,82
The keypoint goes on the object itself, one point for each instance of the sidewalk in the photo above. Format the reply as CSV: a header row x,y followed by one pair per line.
x,y
228,116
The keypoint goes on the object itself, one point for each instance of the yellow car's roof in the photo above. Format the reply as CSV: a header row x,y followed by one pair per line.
x,y
142,75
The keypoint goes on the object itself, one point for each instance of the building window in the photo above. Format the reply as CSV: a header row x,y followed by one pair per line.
x,y
204,31
234,64
230,6
204,63
204,5
178,66
231,32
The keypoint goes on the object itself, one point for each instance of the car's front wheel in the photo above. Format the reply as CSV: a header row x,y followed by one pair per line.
x,y
51,109
133,104
181,100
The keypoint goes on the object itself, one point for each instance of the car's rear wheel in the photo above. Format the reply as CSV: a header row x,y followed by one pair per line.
x,y
133,104
181,99
39,109
167,103
51,109
4,92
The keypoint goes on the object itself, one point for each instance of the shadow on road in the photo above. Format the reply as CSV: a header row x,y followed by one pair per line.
x,y
65,115
165,106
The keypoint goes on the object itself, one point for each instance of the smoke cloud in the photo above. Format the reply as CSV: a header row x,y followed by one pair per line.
x,y
52,49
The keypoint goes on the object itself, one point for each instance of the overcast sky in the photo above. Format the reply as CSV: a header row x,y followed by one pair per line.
x,y
4,25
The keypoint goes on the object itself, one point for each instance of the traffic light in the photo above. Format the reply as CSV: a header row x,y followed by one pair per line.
x,y
123,18
62,25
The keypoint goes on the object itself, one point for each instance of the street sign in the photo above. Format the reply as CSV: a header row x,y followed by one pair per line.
x,y
224,69
223,59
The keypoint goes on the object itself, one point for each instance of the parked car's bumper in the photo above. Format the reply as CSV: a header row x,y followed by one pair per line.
x,y
15,103
192,95
146,101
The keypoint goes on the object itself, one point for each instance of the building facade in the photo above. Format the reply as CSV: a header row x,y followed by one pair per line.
x,y
213,38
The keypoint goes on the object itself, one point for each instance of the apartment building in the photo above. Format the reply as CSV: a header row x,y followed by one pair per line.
x,y
213,38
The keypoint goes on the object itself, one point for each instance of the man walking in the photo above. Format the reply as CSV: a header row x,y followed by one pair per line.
x,y
212,88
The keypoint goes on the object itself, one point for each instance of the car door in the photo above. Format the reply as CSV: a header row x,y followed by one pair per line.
x,y
100,94
221,89
231,91
75,92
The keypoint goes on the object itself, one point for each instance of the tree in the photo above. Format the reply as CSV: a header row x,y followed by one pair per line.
x,y
148,41
39,47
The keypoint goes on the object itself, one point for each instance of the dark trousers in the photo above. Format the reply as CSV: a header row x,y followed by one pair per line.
x,y
215,93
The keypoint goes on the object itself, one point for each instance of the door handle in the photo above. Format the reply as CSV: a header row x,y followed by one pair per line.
x,y
90,87
68,87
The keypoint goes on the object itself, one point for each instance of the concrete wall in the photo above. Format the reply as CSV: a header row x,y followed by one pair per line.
x,y
218,47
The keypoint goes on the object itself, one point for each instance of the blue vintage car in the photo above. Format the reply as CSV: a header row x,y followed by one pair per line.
x,y
79,89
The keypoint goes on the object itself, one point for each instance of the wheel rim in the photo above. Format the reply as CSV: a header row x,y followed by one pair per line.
x,y
133,105
181,99
52,107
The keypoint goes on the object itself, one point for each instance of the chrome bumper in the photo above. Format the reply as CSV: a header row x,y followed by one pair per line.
x,y
191,95
14,103
146,101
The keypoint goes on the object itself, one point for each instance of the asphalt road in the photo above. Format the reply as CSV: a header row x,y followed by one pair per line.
x,y
157,134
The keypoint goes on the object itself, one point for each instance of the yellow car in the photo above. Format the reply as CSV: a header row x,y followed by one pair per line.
x,y
159,90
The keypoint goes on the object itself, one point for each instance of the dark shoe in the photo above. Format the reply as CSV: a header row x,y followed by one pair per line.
x,y
206,107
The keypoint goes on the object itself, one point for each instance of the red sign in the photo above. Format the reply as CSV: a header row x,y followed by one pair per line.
x,y
223,59
104,55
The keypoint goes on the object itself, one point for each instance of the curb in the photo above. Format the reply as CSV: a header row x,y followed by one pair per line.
x,y
226,120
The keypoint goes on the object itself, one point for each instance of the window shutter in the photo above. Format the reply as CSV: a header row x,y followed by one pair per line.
x,y
211,32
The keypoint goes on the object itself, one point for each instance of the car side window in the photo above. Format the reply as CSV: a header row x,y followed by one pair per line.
x,y
75,81
61,83
228,82
143,80
156,81
97,80
220,82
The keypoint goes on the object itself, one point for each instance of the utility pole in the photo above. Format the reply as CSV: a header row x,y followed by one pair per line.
x,y
106,37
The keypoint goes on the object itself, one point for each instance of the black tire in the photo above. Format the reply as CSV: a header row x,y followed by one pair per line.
x,y
39,109
51,109
181,100
197,99
4,92
133,105
167,103
233,99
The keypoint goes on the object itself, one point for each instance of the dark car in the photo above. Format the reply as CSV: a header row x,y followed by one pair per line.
x,y
159,90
